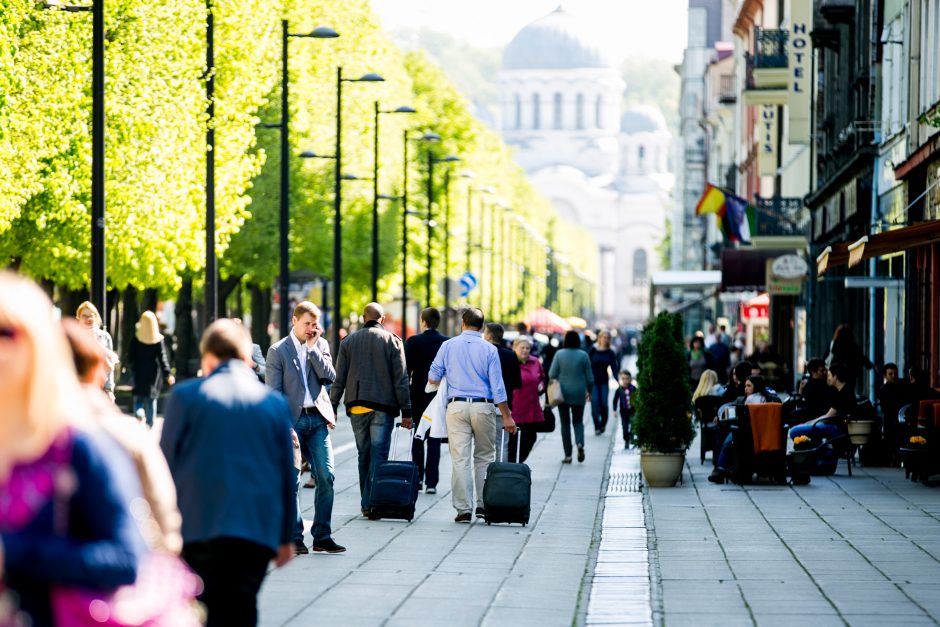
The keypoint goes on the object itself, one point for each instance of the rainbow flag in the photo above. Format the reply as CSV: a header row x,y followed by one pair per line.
x,y
734,216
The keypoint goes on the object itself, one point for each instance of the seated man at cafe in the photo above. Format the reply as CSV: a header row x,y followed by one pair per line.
x,y
831,424
815,393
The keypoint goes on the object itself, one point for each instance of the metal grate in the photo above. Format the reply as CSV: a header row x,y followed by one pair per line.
x,y
625,483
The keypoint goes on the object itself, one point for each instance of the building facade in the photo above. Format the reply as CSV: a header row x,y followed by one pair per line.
x,y
602,167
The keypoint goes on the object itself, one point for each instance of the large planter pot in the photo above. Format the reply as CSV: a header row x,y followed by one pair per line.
x,y
662,470
859,430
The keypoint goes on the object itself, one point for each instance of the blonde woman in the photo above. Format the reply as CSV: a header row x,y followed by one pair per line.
x,y
89,317
148,361
65,487
707,385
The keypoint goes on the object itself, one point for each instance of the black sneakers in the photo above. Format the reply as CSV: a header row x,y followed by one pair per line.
x,y
580,454
328,546
481,513
463,517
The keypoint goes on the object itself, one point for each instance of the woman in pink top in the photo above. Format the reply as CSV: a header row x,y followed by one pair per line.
x,y
526,407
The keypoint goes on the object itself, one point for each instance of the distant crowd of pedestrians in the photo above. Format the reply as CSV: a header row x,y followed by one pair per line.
x,y
94,509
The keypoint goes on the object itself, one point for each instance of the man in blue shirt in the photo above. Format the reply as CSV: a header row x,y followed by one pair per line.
x,y
475,392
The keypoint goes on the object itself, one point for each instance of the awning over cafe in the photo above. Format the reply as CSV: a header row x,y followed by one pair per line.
x,y
878,244
745,269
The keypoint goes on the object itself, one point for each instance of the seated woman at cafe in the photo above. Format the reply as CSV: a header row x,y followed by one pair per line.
x,y
755,393
708,386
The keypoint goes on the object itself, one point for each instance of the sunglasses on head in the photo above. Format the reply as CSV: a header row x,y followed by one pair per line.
x,y
8,333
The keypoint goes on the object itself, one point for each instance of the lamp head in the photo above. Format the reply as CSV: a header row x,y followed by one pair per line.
x,y
323,32
430,137
405,109
371,77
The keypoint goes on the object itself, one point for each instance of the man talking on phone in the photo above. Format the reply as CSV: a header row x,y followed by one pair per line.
x,y
299,366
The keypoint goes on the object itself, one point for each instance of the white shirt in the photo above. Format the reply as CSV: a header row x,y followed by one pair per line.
x,y
302,359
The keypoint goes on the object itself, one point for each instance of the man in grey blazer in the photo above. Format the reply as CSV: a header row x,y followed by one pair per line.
x,y
300,367
371,371
213,426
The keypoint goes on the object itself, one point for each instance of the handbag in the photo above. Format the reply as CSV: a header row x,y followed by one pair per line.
x,y
164,594
547,425
554,394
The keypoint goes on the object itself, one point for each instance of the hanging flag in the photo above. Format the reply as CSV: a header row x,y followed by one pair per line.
x,y
712,201
739,217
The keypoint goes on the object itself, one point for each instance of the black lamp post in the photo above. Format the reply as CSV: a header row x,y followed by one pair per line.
x,y
376,195
338,202
406,136
98,294
284,126
430,221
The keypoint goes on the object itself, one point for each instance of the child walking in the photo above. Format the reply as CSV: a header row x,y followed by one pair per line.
x,y
623,403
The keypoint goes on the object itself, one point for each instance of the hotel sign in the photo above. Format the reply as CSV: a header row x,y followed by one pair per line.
x,y
800,56
767,141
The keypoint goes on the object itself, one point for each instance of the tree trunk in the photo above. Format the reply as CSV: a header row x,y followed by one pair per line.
x,y
129,315
226,287
260,315
148,301
187,350
69,300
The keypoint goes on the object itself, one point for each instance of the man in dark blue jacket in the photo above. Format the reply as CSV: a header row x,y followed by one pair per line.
x,y
420,351
227,439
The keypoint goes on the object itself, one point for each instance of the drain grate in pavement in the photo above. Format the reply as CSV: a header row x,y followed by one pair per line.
x,y
624,483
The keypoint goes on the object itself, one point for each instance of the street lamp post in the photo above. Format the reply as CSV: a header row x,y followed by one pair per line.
x,y
338,202
375,195
322,32
98,293
430,221
406,136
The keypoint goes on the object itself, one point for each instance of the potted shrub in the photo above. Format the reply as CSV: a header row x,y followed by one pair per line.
x,y
662,424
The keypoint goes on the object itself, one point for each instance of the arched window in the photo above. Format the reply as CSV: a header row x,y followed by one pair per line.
x,y
639,267
640,157
599,112
558,121
536,111
579,112
518,111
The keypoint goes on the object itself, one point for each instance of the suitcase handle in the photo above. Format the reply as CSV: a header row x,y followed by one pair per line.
x,y
394,440
502,443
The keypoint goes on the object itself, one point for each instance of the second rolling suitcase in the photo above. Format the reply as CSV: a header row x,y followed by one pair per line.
x,y
507,491
394,489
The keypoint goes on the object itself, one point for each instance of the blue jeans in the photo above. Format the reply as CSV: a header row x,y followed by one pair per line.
x,y
149,405
599,395
314,436
373,432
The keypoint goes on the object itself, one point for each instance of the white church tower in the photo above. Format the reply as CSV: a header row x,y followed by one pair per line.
x,y
608,170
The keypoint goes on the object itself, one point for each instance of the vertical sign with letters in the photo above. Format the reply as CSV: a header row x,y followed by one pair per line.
x,y
767,141
800,53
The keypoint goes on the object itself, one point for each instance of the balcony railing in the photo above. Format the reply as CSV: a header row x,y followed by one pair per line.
x,y
727,94
770,48
781,216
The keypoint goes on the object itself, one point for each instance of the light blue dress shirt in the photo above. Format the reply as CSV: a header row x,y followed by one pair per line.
x,y
471,366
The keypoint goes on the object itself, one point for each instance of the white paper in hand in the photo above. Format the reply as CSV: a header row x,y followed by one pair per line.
x,y
400,449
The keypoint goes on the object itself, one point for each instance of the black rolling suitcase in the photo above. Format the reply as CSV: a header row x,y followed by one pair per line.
x,y
507,490
394,488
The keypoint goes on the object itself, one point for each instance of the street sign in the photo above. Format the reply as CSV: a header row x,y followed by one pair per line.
x,y
467,284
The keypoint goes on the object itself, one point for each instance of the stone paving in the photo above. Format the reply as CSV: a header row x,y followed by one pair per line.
x,y
434,571
861,550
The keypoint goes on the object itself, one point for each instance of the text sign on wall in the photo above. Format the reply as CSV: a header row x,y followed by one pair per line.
x,y
767,141
800,54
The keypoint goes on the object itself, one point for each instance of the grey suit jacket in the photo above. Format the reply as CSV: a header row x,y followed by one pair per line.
x,y
283,374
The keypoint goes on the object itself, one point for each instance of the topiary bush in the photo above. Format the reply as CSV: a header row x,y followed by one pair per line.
x,y
662,422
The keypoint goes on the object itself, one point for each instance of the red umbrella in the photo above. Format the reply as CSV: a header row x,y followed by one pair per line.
x,y
546,321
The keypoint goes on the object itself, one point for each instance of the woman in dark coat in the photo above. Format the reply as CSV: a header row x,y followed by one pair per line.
x,y
844,350
148,361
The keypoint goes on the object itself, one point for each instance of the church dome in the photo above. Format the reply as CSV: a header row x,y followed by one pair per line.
x,y
642,119
554,42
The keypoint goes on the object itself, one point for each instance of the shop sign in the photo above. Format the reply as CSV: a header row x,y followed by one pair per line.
x,y
800,52
754,312
785,275
767,146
